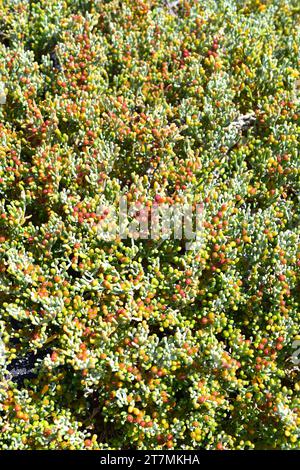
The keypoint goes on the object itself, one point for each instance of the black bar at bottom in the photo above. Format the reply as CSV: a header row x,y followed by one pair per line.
x,y
132,459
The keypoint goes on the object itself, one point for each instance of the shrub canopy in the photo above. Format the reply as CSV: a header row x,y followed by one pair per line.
x,y
117,343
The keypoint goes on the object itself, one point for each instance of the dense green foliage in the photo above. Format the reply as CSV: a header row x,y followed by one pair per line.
x,y
145,344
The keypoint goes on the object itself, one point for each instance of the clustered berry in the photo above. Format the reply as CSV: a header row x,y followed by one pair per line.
x,y
142,343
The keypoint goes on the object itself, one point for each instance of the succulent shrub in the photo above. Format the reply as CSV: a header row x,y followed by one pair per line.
x,y
114,343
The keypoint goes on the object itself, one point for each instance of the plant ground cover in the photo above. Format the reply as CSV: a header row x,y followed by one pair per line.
x,y
142,343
